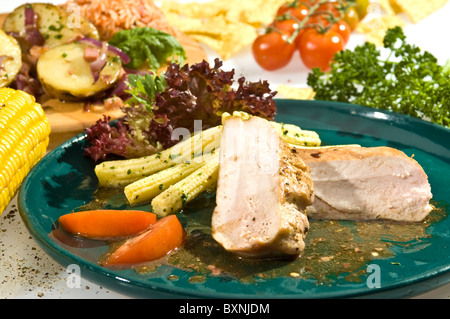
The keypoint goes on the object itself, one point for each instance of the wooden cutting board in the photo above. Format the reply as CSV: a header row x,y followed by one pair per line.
x,y
68,119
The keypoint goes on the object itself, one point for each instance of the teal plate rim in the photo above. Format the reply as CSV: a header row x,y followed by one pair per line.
x,y
422,269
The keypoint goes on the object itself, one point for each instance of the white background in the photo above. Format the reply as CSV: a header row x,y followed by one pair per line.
x,y
27,272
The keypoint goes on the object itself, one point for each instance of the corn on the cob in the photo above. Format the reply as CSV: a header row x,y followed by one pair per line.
x,y
176,196
290,133
123,172
24,137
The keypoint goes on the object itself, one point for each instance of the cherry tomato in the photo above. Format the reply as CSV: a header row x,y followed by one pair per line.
x,y
329,7
343,29
271,50
319,20
300,12
318,49
289,26
352,18
340,27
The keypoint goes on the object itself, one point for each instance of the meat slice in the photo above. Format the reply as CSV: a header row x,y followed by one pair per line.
x,y
262,192
358,183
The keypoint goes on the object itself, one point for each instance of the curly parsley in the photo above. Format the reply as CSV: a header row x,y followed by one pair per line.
x,y
408,81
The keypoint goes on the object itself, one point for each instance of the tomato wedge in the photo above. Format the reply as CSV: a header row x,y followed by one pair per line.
x,y
163,237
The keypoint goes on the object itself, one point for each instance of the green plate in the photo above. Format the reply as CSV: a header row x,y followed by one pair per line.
x,y
64,181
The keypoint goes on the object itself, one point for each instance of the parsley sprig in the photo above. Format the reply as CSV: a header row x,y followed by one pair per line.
x,y
143,89
407,81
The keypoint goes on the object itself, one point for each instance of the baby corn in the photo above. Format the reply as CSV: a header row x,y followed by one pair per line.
x,y
148,187
176,196
24,137
293,134
123,172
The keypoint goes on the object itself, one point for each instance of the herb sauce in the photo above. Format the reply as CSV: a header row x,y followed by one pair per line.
x,y
333,248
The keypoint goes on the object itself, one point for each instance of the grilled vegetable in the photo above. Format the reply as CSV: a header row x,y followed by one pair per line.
x,y
123,172
107,223
148,187
164,236
24,137
176,196
47,24
294,135
10,58
65,73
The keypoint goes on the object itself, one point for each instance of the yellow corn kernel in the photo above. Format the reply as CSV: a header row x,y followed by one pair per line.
x,y
24,137
176,196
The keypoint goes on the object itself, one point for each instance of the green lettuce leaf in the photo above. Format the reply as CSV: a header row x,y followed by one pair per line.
x,y
147,47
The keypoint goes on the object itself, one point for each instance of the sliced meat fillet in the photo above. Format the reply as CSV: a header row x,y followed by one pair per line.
x,y
262,192
358,183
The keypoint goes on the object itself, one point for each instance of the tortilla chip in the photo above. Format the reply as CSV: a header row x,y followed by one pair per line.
x,y
294,93
226,26
226,38
227,44
386,6
417,10
395,6
192,9
255,12
375,28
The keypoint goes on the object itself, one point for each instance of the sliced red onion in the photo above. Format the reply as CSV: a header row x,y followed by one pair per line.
x,y
125,58
32,34
34,37
30,16
100,62
28,84
121,87
122,55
